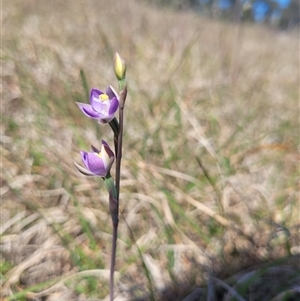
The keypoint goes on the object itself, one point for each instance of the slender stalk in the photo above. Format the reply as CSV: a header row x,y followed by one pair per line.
x,y
113,259
120,138
114,202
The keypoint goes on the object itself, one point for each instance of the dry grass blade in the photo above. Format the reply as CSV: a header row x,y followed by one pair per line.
x,y
12,221
13,276
20,181
75,277
211,213
155,272
172,173
199,132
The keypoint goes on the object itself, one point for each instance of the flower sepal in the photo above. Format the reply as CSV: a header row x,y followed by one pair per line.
x,y
83,170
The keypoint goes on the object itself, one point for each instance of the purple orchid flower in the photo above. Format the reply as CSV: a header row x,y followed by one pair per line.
x,y
103,105
97,163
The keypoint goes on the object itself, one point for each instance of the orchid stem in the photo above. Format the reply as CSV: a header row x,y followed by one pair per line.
x,y
120,139
114,204
113,260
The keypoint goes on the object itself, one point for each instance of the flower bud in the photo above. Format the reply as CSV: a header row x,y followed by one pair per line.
x,y
119,67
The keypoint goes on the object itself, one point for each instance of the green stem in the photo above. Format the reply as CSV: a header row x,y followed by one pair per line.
x,y
110,185
122,84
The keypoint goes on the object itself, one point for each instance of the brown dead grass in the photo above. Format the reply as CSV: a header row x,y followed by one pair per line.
x,y
224,94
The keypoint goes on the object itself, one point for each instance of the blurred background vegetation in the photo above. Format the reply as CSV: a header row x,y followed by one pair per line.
x,y
283,14
210,171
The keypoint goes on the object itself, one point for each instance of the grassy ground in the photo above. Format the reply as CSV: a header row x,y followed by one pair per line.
x,y
210,174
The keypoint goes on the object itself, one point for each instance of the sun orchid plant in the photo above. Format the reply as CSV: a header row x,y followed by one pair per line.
x,y
102,108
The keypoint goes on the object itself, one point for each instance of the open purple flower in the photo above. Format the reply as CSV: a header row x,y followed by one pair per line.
x,y
103,105
97,163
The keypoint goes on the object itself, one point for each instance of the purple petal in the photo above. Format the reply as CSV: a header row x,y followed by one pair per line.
x,y
95,93
88,110
94,163
96,103
111,93
114,105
